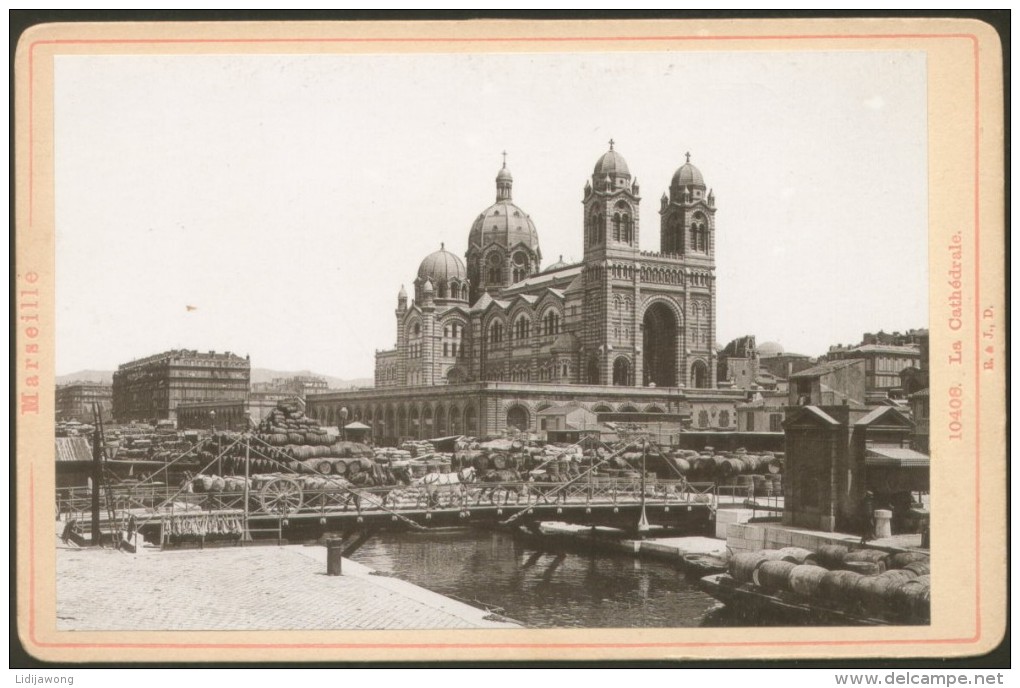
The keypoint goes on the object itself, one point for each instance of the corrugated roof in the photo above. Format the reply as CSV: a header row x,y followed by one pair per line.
x,y
900,457
70,449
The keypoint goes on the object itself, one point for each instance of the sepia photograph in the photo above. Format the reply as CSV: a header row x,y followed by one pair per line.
x,y
474,328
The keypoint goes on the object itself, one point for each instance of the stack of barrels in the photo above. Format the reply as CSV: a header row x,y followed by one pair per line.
x,y
762,471
866,583
298,442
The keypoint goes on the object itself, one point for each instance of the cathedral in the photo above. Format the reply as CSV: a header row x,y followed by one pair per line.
x,y
488,342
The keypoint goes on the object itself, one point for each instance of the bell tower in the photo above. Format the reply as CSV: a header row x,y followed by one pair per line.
x,y
611,204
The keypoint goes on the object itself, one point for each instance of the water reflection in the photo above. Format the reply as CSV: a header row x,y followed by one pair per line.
x,y
543,589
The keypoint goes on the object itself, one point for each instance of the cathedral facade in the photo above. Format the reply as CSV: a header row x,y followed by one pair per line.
x,y
622,324
621,316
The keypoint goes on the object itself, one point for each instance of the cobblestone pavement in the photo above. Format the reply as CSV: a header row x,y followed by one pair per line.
x,y
242,588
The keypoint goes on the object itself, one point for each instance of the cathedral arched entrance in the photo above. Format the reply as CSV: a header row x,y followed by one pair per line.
x,y
659,336
517,417
621,372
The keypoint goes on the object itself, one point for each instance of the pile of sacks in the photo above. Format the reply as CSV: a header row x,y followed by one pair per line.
x,y
416,449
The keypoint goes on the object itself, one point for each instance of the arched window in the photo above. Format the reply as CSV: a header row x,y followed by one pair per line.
x,y
454,291
496,332
724,419
597,234
417,329
520,266
494,268
621,372
551,323
628,229
617,226
522,327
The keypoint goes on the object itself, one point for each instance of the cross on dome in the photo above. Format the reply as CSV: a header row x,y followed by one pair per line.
x,y
688,155
611,142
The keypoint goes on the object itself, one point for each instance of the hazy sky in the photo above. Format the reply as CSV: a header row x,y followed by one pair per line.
x,y
287,198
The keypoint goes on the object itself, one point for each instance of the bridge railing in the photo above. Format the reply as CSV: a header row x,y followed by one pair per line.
x,y
286,497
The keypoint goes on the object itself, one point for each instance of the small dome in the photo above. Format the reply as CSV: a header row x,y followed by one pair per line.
x,y
611,164
558,265
442,266
688,175
504,175
766,349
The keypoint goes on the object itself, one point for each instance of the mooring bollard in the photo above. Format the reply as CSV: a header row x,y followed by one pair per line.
x,y
334,556
883,523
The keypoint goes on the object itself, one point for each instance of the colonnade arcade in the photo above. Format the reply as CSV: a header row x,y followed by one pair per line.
x,y
424,420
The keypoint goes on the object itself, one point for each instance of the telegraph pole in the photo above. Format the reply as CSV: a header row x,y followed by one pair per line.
x,y
97,476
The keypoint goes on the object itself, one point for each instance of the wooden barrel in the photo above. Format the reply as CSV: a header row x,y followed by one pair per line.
x,y
499,462
218,484
772,576
517,445
340,467
324,467
901,575
774,467
751,462
871,556
921,568
353,468
683,466
204,482
902,559
912,600
742,566
744,480
796,555
865,568
481,463
875,593
806,579
839,585
831,556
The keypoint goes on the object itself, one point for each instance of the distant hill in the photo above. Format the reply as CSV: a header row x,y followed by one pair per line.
x,y
257,375
268,375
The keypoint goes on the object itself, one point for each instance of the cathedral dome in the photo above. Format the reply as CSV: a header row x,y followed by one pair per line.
x,y
688,175
503,223
611,164
441,266
767,349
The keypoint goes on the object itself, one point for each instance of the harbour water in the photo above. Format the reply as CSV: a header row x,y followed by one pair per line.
x,y
579,588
